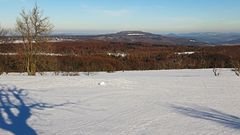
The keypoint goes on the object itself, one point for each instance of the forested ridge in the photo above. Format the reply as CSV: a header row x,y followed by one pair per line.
x,y
94,55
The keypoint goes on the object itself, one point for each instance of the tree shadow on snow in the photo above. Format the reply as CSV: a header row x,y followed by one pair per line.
x,y
209,114
15,110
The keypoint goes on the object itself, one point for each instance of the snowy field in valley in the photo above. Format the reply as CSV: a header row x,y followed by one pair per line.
x,y
168,102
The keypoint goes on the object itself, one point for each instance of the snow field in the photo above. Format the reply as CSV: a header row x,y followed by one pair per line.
x,y
167,102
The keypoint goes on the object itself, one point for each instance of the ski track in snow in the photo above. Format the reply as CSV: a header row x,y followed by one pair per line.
x,y
167,102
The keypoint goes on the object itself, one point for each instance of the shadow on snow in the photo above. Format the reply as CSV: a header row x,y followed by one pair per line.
x,y
209,114
15,110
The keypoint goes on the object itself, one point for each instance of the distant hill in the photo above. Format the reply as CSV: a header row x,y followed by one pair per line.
x,y
211,37
138,37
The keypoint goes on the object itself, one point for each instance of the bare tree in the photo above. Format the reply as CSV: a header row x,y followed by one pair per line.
x,y
34,30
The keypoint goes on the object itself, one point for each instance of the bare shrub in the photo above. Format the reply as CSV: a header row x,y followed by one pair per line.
x,y
237,69
216,72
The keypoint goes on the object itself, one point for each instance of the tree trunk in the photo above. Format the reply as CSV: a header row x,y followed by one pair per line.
x,y
31,66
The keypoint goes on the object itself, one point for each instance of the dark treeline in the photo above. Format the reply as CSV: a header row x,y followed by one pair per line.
x,y
93,55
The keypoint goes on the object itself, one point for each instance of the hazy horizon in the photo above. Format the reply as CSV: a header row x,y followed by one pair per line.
x,y
112,32
109,16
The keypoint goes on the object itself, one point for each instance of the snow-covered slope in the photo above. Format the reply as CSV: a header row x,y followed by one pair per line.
x,y
174,102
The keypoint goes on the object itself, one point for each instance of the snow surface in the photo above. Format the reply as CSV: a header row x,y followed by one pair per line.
x,y
167,102
184,53
135,34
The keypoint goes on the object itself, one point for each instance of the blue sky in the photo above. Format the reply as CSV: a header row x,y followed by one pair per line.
x,y
117,15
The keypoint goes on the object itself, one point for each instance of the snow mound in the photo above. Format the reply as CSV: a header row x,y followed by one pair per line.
x,y
102,83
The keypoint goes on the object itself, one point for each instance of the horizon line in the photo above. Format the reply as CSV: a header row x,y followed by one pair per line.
x,y
113,32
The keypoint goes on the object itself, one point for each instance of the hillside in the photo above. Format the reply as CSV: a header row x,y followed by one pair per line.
x,y
97,55
136,37
211,37
139,36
